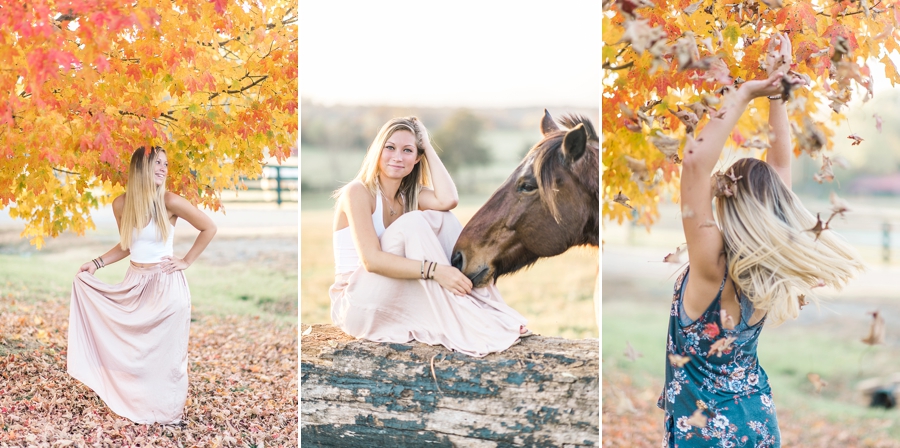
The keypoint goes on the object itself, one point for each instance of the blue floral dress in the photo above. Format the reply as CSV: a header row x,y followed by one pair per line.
x,y
727,386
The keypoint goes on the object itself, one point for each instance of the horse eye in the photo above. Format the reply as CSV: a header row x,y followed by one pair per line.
x,y
526,187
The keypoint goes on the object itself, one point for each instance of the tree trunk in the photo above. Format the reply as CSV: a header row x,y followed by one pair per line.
x,y
542,392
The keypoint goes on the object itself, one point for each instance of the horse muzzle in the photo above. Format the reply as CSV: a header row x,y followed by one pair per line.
x,y
478,276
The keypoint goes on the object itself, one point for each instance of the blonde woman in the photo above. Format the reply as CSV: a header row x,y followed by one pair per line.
x,y
755,266
392,240
128,342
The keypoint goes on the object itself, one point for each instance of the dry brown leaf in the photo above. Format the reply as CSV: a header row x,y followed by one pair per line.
x,y
639,172
667,145
631,353
856,139
819,227
817,381
622,199
721,346
876,330
801,299
688,117
675,257
678,360
698,419
641,35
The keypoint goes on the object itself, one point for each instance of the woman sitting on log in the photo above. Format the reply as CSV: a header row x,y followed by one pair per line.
x,y
756,265
393,236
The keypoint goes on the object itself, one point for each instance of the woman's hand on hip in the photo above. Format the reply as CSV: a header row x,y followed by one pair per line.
x,y
171,264
90,267
452,279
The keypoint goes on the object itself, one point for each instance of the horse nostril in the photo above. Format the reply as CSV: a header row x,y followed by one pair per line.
x,y
457,260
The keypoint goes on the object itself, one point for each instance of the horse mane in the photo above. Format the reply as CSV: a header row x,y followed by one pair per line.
x,y
548,157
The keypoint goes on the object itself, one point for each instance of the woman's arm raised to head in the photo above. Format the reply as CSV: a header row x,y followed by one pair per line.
x,y
355,202
704,240
183,209
444,196
779,59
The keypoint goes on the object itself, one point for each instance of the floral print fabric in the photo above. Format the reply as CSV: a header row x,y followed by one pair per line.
x,y
716,394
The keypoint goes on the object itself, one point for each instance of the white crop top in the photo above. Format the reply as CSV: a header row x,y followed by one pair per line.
x,y
146,246
345,257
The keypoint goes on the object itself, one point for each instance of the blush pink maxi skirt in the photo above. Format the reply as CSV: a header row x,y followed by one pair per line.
x,y
382,309
128,342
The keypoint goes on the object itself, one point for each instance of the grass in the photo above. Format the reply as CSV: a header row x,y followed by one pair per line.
x,y
555,295
216,289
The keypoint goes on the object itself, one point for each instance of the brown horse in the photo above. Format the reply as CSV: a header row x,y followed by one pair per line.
x,y
547,205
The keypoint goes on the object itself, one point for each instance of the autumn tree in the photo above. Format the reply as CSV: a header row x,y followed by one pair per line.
x,y
85,82
667,64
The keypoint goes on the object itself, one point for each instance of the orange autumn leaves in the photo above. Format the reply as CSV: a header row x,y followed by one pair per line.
x,y
87,83
665,63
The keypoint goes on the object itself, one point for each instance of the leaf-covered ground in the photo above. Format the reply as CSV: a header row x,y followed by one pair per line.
x,y
242,373
631,419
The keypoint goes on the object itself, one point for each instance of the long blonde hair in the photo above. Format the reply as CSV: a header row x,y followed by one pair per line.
x,y
772,256
370,169
144,200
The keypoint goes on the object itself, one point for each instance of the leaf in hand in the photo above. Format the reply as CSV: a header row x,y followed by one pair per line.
x,y
622,199
698,419
667,145
876,330
678,360
721,347
856,139
631,353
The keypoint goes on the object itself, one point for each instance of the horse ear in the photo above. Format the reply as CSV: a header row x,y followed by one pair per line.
x,y
547,124
574,144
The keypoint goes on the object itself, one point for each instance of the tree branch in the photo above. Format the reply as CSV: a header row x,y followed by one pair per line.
x,y
60,170
242,89
608,66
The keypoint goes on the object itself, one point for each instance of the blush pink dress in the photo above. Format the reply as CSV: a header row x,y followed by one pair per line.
x,y
382,309
128,342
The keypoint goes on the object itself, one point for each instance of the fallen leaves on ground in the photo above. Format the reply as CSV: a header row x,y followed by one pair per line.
x,y
242,373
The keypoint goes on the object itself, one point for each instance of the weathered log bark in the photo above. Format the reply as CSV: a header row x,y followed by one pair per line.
x,y
542,392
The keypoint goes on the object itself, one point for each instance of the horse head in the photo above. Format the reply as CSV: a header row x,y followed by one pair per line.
x,y
547,205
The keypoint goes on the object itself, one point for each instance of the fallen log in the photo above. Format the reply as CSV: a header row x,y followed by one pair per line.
x,y
542,392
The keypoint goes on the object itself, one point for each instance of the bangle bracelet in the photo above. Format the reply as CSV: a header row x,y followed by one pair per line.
x,y
774,97
422,270
433,270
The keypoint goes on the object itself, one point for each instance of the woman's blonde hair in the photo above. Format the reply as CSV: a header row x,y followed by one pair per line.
x,y
144,200
370,169
773,257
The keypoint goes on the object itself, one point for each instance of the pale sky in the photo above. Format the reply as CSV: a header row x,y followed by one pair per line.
x,y
458,53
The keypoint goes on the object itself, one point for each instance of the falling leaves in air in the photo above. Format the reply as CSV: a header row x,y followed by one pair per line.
x,y
678,360
841,47
801,300
755,143
667,145
675,257
639,172
810,138
692,8
727,320
698,419
774,4
641,35
622,199
631,353
838,206
856,139
688,117
721,347
825,173
817,381
877,122
819,227
876,330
